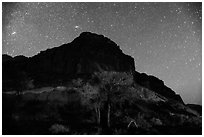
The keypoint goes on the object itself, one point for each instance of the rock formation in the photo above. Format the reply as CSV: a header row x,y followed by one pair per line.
x,y
86,54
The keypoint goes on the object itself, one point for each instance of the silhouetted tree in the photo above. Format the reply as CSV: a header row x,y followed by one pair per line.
x,y
91,98
110,89
108,94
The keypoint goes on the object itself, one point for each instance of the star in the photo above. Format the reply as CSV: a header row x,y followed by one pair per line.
x,y
13,33
76,27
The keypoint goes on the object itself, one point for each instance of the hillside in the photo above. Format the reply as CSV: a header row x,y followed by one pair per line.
x,y
89,86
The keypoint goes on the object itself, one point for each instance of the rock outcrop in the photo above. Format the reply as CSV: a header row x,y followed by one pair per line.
x,y
157,85
86,54
6,58
197,108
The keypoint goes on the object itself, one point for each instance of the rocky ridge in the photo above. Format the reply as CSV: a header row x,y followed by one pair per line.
x,y
85,55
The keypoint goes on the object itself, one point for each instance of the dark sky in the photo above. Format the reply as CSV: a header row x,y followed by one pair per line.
x,y
164,38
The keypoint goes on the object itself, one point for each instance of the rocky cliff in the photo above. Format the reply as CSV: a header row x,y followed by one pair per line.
x,y
86,54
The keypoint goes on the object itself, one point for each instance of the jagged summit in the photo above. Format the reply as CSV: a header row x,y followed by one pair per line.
x,y
91,36
95,37
88,34
85,54
93,41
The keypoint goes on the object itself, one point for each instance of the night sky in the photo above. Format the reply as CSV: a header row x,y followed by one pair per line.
x,y
165,39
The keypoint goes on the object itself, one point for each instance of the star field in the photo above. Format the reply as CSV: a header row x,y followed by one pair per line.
x,y
165,39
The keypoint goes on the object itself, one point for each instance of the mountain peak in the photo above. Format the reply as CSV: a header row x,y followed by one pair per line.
x,y
88,33
90,39
86,54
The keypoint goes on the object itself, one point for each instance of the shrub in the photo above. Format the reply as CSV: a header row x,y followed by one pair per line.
x,y
58,129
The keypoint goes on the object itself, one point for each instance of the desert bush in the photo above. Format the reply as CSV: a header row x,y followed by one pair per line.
x,y
156,121
116,78
91,99
142,122
104,92
59,129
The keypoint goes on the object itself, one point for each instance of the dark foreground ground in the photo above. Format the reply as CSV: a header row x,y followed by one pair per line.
x,y
81,107
44,128
45,118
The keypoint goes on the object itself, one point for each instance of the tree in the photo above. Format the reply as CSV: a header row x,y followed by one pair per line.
x,y
91,98
106,93
110,89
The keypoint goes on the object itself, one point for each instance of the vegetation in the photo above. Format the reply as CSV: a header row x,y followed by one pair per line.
x,y
107,103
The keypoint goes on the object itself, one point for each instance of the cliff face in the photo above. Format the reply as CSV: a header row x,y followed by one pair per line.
x,y
157,85
86,54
